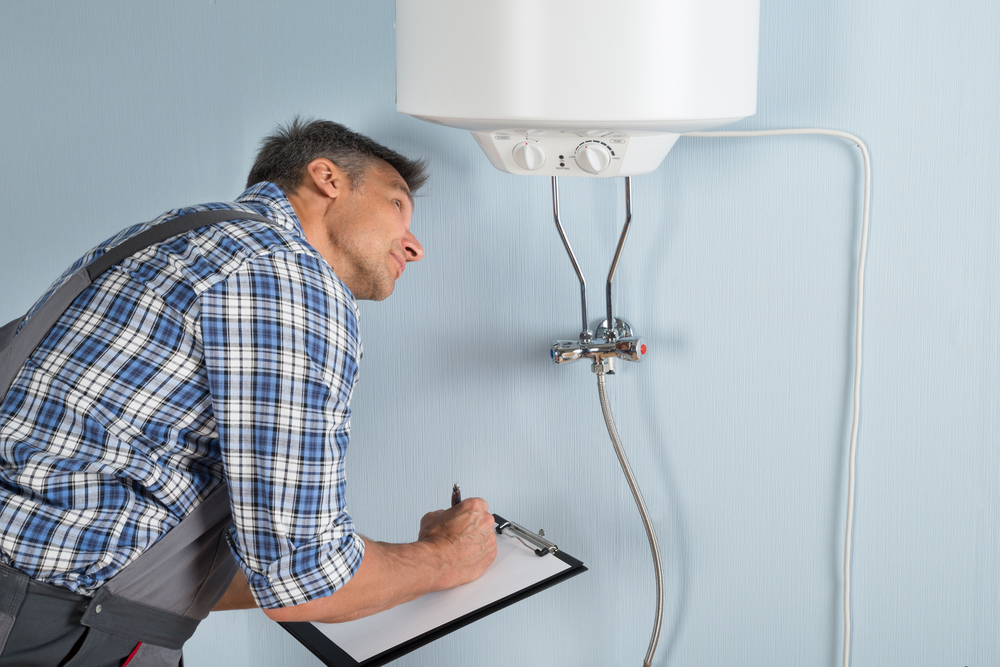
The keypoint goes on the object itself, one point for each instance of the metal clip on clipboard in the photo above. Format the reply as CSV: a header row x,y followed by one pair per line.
x,y
542,546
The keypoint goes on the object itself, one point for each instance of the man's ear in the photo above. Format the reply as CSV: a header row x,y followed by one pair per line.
x,y
327,178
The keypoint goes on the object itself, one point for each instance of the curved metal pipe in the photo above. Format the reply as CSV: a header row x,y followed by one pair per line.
x,y
585,333
611,333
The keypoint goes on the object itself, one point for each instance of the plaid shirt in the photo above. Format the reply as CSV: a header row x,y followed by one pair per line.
x,y
228,353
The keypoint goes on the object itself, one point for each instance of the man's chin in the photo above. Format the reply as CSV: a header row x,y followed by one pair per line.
x,y
380,293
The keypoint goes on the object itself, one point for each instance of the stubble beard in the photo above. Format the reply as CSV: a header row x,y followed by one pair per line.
x,y
373,281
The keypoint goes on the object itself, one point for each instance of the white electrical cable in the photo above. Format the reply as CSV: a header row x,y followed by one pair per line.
x,y
857,348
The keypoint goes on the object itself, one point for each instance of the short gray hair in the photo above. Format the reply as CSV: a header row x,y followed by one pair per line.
x,y
285,154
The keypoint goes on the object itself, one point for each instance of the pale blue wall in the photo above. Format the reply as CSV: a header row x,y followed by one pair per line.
x,y
739,273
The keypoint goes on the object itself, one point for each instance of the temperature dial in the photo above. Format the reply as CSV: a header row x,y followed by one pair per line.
x,y
593,157
529,155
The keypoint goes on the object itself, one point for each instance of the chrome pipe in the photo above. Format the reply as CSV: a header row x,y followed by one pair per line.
x,y
585,334
611,333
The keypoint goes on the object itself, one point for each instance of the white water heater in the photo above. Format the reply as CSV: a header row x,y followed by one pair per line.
x,y
577,87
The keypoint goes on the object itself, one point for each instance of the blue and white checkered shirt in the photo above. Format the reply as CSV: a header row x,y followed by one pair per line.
x,y
226,353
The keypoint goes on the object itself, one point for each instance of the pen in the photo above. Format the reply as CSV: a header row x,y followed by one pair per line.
x,y
456,495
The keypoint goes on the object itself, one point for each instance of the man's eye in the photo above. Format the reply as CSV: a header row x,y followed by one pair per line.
x,y
398,204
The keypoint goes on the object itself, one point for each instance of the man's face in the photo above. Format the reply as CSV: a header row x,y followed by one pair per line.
x,y
371,234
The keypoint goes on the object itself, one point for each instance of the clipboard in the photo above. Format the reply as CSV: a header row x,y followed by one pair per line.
x,y
526,564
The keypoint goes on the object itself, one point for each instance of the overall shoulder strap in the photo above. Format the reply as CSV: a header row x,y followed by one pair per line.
x,y
15,350
160,597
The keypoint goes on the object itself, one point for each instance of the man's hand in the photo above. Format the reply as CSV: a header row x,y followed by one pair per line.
x,y
454,547
465,539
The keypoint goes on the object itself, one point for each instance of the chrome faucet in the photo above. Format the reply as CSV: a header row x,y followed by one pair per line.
x,y
602,351
612,341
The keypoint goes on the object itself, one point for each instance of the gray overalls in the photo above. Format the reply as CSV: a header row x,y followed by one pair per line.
x,y
150,608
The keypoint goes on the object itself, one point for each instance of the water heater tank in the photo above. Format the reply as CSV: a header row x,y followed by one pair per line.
x,y
577,87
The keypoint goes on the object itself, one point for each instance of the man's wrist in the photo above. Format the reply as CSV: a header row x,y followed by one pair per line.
x,y
426,557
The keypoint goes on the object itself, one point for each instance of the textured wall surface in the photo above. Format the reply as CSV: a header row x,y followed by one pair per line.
x,y
739,273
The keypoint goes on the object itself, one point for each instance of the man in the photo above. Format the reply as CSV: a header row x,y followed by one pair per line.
x,y
217,364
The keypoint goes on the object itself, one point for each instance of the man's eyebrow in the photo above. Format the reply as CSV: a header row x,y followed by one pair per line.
x,y
399,185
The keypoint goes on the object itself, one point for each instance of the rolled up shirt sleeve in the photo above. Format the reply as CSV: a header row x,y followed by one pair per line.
x,y
281,352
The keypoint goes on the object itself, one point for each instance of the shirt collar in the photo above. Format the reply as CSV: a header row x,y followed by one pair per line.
x,y
280,209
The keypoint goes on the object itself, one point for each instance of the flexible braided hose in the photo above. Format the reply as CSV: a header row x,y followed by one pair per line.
x,y
647,524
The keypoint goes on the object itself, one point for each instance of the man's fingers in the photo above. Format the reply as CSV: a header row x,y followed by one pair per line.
x,y
475,504
465,536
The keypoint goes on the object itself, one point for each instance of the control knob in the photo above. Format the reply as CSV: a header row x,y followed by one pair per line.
x,y
529,155
593,158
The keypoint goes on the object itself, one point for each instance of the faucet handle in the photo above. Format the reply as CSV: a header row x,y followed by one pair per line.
x,y
565,351
630,349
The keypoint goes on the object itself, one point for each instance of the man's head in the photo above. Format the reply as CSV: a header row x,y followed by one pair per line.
x,y
285,154
352,196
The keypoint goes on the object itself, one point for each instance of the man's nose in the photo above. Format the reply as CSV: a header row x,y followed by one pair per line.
x,y
414,251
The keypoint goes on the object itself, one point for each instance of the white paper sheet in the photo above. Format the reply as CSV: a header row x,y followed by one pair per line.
x,y
516,567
